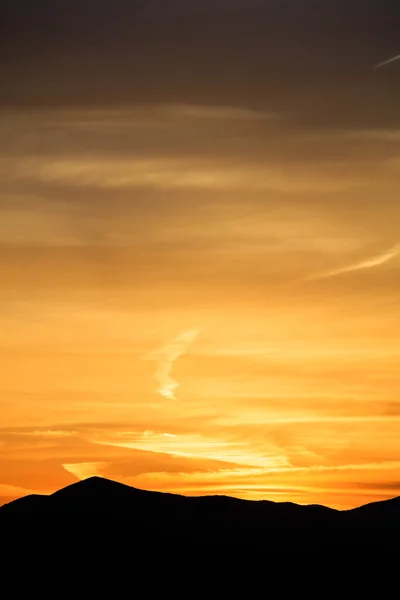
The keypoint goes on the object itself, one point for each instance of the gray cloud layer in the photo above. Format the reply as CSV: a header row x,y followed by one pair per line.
x,y
309,58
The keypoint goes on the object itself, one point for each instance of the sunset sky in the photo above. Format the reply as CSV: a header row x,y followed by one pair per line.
x,y
200,247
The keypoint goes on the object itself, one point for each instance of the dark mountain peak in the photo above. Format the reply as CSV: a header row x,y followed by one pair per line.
x,y
95,485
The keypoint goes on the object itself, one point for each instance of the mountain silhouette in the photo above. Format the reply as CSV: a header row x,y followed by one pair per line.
x,y
117,510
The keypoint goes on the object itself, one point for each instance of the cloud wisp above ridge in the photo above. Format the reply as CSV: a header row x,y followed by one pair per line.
x,y
166,358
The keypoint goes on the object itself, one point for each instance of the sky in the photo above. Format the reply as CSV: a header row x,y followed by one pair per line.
x,y
199,247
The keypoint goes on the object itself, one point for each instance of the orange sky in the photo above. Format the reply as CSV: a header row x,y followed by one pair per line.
x,y
199,247
199,324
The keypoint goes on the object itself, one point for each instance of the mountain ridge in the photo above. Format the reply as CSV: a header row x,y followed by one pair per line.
x,y
113,510
103,485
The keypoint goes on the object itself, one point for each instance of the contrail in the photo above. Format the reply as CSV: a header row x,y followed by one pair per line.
x,y
386,62
166,357
369,263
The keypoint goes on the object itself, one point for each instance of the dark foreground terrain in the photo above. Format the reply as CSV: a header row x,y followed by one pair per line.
x,y
98,507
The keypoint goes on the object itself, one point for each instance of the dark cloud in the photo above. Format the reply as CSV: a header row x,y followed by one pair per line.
x,y
381,486
311,58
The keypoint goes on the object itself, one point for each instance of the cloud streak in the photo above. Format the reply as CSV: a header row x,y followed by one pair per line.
x,y
386,62
177,173
368,263
166,358
195,446
49,433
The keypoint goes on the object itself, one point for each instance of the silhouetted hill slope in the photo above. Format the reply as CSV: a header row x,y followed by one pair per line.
x,y
97,495
118,510
386,511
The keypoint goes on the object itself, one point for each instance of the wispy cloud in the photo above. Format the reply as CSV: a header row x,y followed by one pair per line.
x,y
195,446
166,358
386,62
368,263
138,115
348,135
49,433
230,113
177,173
85,470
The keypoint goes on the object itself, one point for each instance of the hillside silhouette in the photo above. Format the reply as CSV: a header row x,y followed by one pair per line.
x,y
112,509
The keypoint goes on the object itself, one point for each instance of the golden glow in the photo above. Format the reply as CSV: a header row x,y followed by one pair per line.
x,y
161,322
